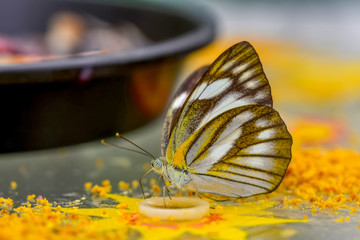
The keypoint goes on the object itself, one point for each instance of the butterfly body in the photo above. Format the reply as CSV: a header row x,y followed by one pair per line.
x,y
221,134
177,176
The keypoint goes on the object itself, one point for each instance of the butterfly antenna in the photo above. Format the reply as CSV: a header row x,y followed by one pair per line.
x,y
149,154
129,149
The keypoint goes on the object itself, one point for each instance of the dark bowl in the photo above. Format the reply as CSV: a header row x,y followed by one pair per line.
x,y
50,103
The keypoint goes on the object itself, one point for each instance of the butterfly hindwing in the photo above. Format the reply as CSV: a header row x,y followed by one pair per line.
x,y
244,151
235,79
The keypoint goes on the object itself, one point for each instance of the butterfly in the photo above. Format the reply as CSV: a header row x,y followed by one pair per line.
x,y
221,135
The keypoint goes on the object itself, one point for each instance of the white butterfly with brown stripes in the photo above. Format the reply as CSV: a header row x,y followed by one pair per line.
x,y
221,134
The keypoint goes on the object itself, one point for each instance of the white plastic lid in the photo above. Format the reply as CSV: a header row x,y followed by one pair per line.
x,y
177,208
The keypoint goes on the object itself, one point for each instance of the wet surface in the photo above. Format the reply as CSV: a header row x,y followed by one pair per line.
x,y
60,173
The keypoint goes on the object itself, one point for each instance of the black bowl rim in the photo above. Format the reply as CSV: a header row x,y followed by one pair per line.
x,y
202,35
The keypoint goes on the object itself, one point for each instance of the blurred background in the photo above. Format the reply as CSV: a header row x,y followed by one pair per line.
x,y
310,52
75,83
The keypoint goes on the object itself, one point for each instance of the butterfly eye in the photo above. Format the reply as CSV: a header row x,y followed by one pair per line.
x,y
157,164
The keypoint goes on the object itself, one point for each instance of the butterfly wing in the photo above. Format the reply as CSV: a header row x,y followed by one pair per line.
x,y
242,152
236,78
176,103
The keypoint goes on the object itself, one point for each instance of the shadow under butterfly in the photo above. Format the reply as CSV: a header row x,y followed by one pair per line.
x,y
221,135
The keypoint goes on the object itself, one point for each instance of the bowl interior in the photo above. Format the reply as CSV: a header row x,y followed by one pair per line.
x,y
51,103
19,17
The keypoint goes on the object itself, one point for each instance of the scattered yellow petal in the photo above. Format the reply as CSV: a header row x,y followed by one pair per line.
x,y
31,197
9,202
122,206
13,185
353,210
156,188
219,207
43,202
58,208
88,186
105,183
123,186
135,184
179,194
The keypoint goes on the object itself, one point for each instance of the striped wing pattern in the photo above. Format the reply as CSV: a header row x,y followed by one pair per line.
x,y
176,103
224,132
236,78
242,152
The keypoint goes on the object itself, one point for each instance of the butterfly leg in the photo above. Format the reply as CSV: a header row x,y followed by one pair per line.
x,y
167,189
142,189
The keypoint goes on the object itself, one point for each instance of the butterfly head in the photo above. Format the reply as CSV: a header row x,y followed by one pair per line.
x,y
157,164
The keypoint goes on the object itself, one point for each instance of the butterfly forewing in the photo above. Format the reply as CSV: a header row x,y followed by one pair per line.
x,y
247,154
235,79
176,102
